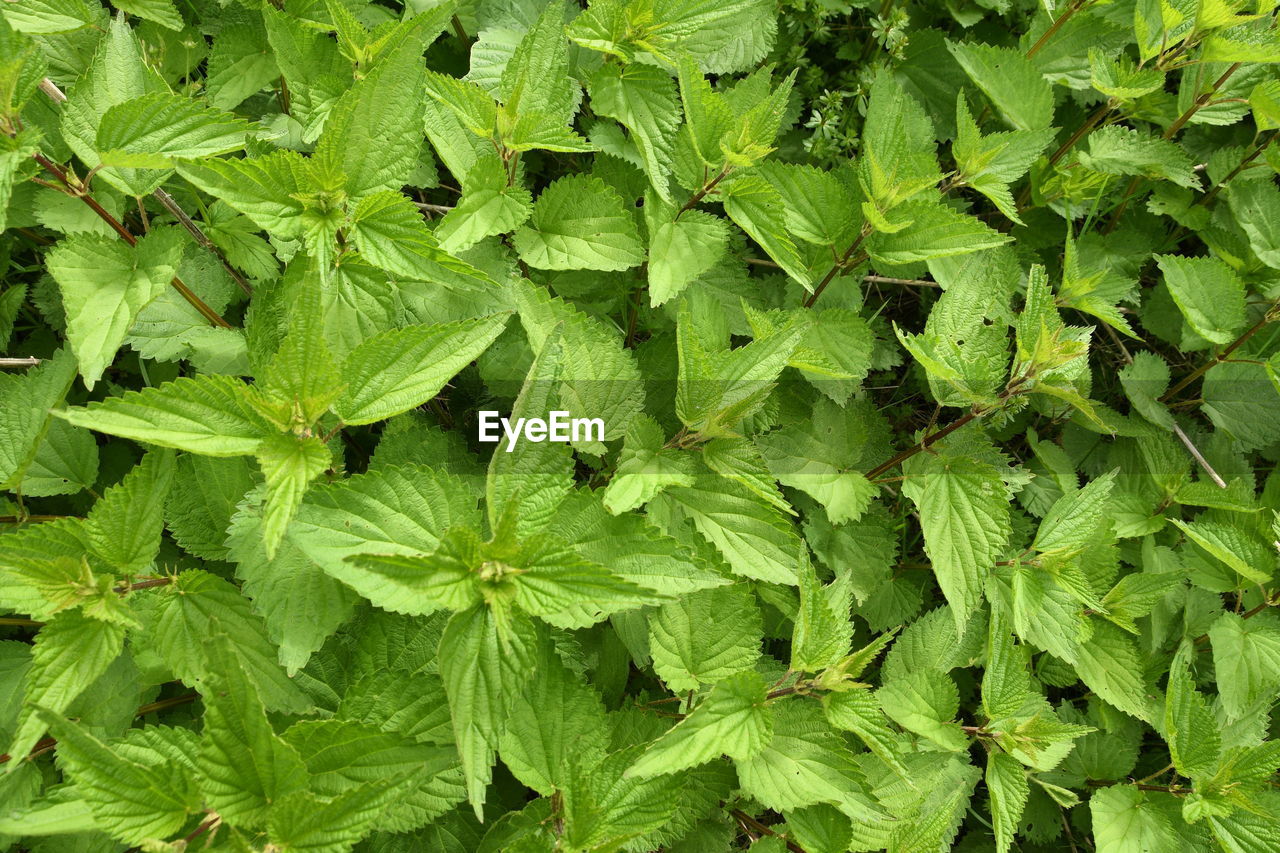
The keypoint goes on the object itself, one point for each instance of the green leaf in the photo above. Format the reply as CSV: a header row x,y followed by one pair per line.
x,y
489,206
197,605
395,371
394,510
391,234
1125,821
1231,545
132,802
265,189
557,724
757,208
933,231
527,483
206,414
858,711
705,637
1109,664
70,652
1007,782
898,148
125,524
645,467
1189,725
304,822
1118,150
682,249
579,222
643,98
732,720
154,130
754,537
823,630
104,284
448,578
1075,519
1015,86
1246,656
289,463
925,702
1256,207
245,767
1208,293
26,400
485,662
806,763
964,513
373,133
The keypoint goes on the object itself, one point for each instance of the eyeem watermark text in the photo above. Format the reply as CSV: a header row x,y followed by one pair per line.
x,y
557,427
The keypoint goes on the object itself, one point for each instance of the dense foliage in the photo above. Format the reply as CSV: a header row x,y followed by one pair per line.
x,y
934,504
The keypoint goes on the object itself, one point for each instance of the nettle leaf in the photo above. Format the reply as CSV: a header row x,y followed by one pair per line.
x,y
245,767
579,222
489,206
69,654
391,234
964,512
206,414
27,400
133,802
154,130
705,637
485,664
397,370
732,720
104,284
643,99
1015,86
124,526
1208,294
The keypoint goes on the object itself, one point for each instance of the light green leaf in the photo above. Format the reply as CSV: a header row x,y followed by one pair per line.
x,y
579,222
124,525
391,234
395,371
732,720
104,284
289,463
70,652
964,513
1209,294
206,414
26,400
1007,782
1015,86
154,130
705,637
1246,657
934,231
244,767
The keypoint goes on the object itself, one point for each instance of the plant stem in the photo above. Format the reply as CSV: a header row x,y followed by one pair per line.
x,y
923,444
1080,133
57,96
841,263
18,622
1075,6
1201,101
1222,356
200,237
702,193
29,361
165,704
748,822
81,193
